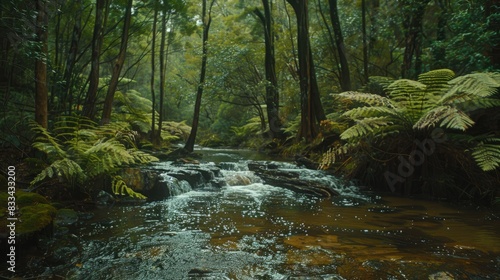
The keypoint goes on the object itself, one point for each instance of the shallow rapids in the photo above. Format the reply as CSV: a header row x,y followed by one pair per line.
x,y
250,230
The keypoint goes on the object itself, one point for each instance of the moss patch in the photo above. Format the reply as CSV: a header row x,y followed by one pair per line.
x,y
29,198
35,218
34,213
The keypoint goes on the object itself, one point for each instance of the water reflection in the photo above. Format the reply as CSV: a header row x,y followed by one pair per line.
x,y
250,230
263,232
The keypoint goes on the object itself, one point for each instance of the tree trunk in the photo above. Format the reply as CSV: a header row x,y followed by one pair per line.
x,y
412,22
163,70
345,77
309,94
41,91
272,93
67,93
492,11
365,41
113,84
89,107
207,20
155,139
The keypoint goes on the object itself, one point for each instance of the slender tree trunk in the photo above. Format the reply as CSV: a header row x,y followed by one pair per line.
x,y
345,76
41,90
207,20
67,93
413,26
272,93
154,137
493,8
89,107
113,84
163,69
365,41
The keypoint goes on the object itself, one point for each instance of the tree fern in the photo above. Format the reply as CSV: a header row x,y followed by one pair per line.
x,y
385,130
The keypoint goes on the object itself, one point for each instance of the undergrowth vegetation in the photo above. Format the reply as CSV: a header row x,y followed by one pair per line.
x,y
78,151
428,136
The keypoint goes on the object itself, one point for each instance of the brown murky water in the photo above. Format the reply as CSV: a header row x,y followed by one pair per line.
x,y
249,230
262,232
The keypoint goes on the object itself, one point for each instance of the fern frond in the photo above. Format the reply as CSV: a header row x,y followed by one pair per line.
x,y
47,143
487,154
436,81
445,116
330,157
364,127
363,112
119,187
66,169
142,157
367,98
478,85
405,90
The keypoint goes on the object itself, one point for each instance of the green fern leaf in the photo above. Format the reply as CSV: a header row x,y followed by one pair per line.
x,y
362,112
444,116
477,85
487,155
367,98
65,169
119,187
364,127
436,81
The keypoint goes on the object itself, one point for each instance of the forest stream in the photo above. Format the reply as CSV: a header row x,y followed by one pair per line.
x,y
246,229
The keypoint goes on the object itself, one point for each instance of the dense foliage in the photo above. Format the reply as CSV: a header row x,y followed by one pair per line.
x,y
420,136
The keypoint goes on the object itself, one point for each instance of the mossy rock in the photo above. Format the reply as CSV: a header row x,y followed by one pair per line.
x,y
29,198
35,212
35,218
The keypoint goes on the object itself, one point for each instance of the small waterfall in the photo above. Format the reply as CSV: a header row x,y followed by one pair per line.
x,y
238,174
175,186
181,178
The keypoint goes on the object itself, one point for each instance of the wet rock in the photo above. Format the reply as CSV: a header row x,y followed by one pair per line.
x,y
306,162
147,182
271,175
238,180
443,275
103,198
193,177
157,183
199,271
65,217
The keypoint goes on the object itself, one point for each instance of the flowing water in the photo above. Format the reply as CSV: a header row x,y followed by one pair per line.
x,y
250,230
